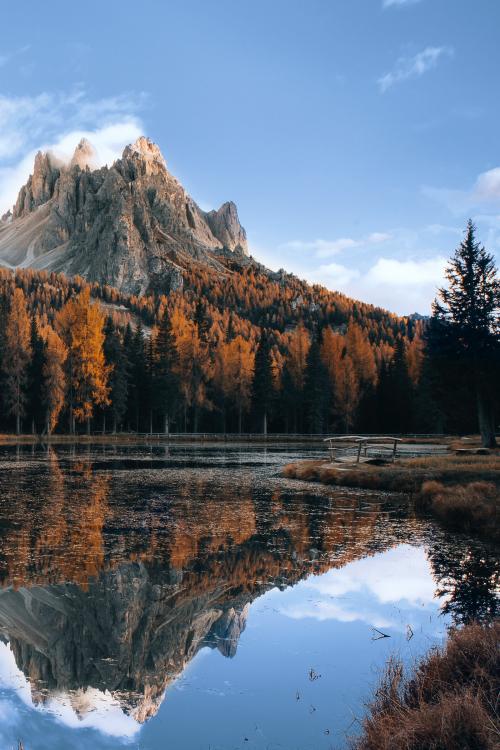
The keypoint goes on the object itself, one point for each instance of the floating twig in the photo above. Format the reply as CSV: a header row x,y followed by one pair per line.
x,y
380,635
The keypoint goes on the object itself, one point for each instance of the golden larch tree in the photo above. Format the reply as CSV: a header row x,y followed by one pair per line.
x,y
81,327
54,377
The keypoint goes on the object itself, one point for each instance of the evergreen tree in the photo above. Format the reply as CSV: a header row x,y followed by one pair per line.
x,y
116,358
315,389
138,383
465,336
35,410
166,382
263,385
16,360
397,392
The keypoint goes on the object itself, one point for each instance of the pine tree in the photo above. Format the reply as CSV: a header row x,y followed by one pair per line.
x,y
116,358
166,382
396,393
137,387
467,327
315,389
35,379
17,356
263,393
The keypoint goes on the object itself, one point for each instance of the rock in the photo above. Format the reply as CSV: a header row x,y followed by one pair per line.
x,y
131,225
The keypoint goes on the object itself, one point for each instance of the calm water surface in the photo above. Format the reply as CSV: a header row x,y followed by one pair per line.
x,y
191,598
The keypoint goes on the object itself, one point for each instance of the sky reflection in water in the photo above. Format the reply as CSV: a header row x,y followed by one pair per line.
x,y
196,600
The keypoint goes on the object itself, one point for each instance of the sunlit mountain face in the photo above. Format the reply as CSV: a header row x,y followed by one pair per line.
x,y
138,583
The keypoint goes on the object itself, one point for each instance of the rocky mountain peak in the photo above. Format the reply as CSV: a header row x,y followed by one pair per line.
x,y
131,225
85,155
147,152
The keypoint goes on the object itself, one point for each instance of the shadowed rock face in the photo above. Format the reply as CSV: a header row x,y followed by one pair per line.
x,y
131,225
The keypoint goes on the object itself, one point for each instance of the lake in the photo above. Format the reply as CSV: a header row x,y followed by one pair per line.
x,y
191,598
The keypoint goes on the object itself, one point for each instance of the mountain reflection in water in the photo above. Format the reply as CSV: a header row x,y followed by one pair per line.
x,y
118,569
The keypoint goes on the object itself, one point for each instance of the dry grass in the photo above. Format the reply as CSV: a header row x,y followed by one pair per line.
x,y
472,507
450,703
463,491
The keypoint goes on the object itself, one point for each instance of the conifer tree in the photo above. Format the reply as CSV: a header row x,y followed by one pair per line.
x,y
166,382
315,389
398,397
116,358
137,375
53,378
35,379
263,383
16,359
81,324
466,329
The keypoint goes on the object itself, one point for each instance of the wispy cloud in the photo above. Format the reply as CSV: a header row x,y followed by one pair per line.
x,y
484,195
402,285
398,3
327,248
57,121
407,68
6,57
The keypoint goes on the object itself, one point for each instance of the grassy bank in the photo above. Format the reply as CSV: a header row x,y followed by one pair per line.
x,y
463,491
450,702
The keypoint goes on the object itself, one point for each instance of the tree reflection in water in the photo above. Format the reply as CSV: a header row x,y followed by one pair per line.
x,y
117,572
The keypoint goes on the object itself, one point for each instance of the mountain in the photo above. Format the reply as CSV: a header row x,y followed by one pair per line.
x,y
131,225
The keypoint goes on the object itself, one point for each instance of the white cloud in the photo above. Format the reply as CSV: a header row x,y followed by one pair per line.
x,y
483,195
81,709
401,285
399,3
326,248
372,590
406,273
413,67
58,122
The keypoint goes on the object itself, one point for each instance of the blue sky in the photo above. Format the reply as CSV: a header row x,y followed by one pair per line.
x,y
355,136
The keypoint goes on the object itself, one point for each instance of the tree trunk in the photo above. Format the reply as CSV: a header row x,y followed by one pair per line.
x,y
150,421
195,420
486,419
264,424
18,423
239,418
88,425
104,423
114,425
166,425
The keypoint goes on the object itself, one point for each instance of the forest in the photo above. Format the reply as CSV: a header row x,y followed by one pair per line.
x,y
243,351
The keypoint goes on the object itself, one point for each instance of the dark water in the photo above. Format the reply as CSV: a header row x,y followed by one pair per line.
x,y
192,598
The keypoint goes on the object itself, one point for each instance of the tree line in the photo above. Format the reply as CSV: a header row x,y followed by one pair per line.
x,y
285,358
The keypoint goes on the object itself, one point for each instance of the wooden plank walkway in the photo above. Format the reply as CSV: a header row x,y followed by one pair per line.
x,y
355,449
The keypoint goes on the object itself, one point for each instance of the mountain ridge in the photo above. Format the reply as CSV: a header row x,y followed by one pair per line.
x,y
131,225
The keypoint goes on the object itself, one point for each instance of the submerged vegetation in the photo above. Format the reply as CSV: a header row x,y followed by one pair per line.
x,y
450,702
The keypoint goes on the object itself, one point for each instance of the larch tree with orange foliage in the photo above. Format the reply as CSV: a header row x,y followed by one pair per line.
x,y
235,364
54,377
194,367
81,326
16,357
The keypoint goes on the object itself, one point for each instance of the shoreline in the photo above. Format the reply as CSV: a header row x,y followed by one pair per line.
x,y
462,490
186,437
